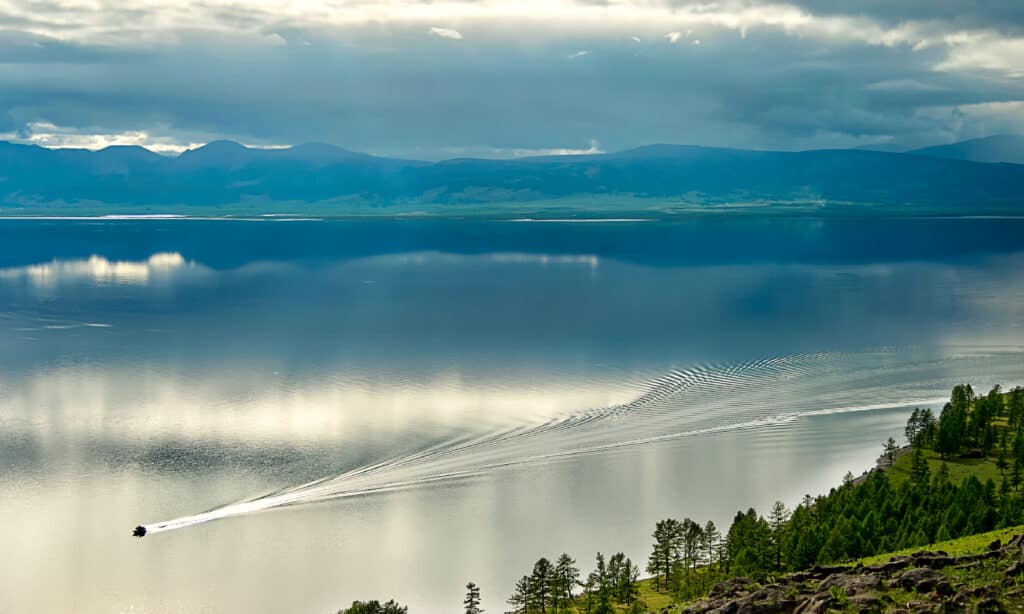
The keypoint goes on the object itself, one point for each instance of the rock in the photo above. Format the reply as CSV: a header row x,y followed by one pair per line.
x,y
820,572
989,606
943,588
920,579
869,602
996,545
817,604
896,563
933,560
1016,569
732,587
852,584
953,607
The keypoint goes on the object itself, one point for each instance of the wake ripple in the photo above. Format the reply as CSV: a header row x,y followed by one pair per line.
x,y
699,400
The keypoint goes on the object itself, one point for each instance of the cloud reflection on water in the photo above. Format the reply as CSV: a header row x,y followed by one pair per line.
x,y
96,269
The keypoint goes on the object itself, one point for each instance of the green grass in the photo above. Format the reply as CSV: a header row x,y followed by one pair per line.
x,y
959,468
655,600
972,544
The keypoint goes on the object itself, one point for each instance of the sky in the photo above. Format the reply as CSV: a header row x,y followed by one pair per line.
x,y
505,78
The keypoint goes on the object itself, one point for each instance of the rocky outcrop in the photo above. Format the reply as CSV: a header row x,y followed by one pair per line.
x,y
929,581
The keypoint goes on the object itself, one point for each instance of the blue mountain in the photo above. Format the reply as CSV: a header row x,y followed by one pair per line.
x,y
224,172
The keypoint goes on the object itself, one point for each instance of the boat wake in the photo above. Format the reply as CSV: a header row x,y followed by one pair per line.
x,y
682,403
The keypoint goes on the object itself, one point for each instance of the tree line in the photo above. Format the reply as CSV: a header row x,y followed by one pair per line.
x,y
551,588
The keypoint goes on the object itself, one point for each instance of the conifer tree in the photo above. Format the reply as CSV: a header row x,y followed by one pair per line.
x,y
520,598
777,520
472,601
889,451
540,586
566,577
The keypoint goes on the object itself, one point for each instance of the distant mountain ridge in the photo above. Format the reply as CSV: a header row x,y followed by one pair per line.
x,y
990,149
225,172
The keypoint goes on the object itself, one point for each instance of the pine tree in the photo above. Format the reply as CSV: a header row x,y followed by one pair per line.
x,y
520,599
603,586
711,539
919,471
889,451
567,576
472,601
777,520
665,552
540,586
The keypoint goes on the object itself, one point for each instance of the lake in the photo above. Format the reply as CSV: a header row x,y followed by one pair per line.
x,y
392,408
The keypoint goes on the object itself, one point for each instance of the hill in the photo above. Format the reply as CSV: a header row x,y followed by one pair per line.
x,y
989,149
225,173
983,574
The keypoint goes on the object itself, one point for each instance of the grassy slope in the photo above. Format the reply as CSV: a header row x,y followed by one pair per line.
x,y
960,468
972,544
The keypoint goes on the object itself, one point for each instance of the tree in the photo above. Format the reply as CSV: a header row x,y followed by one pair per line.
x,y
602,583
472,600
778,517
587,597
749,544
665,552
693,535
1001,462
539,595
889,451
913,427
920,474
520,598
628,587
567,576
374,607
711,539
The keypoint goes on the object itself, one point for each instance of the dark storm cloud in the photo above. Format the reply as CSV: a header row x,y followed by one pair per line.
x,y
748,75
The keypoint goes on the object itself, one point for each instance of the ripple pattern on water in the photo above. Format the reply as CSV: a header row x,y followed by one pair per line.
x,y
684,402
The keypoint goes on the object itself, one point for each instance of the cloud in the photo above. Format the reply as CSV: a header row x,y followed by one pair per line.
x,y
788,75
446,33
46,134
578,54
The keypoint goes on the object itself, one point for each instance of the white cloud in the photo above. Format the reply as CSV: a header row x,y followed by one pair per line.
x,y
636,39
446,33
504,153
49,135
46,134
578,54
696,41
968,47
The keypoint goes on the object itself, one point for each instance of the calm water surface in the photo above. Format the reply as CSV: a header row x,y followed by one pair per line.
x,y
519,390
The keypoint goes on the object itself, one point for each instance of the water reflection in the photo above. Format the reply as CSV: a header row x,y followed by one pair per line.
x,y
96,269
186,366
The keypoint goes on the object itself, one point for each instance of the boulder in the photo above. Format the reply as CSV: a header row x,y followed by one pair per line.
x,y
920,579
990,605
852,583
894,564
732,587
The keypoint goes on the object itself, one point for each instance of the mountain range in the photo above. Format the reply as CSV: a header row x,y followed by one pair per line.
x,y
969,174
